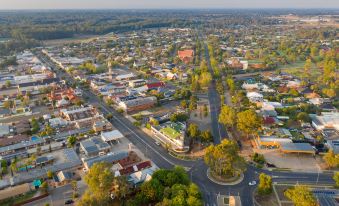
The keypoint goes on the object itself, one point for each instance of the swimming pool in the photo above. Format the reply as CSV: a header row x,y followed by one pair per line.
x,y
34,138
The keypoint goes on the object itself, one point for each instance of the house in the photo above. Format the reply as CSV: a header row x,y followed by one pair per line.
x,y
65,176
326,120
139,177
136,83
124,77
94,146
109,158
155,85
186,55
255,97
43,160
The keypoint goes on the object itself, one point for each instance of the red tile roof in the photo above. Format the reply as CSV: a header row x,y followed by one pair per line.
x,y
186,53
155,85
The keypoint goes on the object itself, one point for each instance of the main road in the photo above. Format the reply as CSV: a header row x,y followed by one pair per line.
x,y
218,130
197,170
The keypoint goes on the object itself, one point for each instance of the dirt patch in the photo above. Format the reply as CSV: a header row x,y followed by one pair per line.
x,y
267,200
292,161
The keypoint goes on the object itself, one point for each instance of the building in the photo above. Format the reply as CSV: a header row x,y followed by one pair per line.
x,y
186,55
171,133
300,148
124,77
65,176
108,158
94,146
271,141
111,136
141,176
138,104
136,83
326,121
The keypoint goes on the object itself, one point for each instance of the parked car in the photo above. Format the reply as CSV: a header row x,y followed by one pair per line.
x,y
157,143
68,202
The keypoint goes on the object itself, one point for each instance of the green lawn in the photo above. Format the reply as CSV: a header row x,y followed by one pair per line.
x,y
170,132
297,69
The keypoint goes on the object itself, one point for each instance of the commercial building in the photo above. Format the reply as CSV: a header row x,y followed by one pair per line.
x,y
171,133
138,104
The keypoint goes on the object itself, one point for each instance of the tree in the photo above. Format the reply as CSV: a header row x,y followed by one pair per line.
x,y
227,116
71,140
336,179
120,188
301,196
307,67
74,185
8,84
99,181
44,187
230,84
184,104
205,79
48,130
193,130
8,104
49,174
304,117
206,136
265,184
331,159
248,121
223,158
178,117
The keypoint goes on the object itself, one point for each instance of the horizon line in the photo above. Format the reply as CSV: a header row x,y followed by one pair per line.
x,y
188,8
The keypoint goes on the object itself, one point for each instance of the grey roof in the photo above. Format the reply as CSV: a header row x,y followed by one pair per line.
x,y
89,146
21,145
71,155
93,145
109,158
297,147
4,111
40,160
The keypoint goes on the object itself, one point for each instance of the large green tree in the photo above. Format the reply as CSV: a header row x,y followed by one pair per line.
x,y
223,159
248,122
99,180
265,184
301,196
227,116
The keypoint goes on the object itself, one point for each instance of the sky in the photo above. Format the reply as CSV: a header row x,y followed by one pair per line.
x,y
164,4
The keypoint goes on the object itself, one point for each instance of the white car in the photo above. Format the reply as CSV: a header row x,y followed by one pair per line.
x,y
157,143
252,183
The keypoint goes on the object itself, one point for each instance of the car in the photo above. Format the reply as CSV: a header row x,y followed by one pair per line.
x,y
252,183
84,169
157,143
68,202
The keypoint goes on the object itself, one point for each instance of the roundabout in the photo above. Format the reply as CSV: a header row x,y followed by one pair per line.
x,y
229,181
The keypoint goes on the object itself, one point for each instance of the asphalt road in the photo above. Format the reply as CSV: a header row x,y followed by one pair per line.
x,y
218,130
197,170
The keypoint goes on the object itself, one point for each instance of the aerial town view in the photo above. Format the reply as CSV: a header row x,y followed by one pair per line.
x,y
169,103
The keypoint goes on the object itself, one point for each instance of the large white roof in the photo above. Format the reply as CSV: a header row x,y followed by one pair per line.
x,y
111,135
